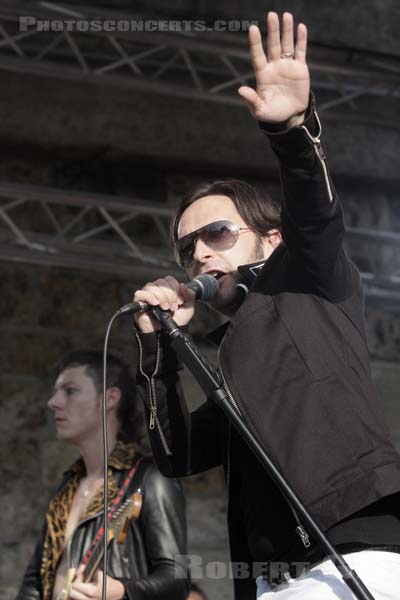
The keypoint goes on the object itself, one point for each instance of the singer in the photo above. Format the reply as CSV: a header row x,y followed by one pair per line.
x,y
294,357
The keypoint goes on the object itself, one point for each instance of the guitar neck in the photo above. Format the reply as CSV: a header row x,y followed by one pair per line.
x,y
117,529
87,575
93,562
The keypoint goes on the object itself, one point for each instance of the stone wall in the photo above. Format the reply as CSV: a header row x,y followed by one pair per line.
x,y
48,311
90,138
45,313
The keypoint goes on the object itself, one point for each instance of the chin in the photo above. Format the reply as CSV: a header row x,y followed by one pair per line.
x,y
228,302
64,436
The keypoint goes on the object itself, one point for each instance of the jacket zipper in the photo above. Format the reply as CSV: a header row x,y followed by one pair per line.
x,y
316,141
231,398
228,463
300,529
234,403
228,469
230,395
154,421
305,538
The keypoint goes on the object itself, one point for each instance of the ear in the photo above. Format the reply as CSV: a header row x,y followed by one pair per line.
x,y
274,237
113,396
271,241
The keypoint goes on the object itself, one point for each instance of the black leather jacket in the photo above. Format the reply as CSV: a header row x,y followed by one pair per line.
x,y
147,563
295,359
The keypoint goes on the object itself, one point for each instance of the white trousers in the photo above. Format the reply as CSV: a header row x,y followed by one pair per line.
x,y
379,571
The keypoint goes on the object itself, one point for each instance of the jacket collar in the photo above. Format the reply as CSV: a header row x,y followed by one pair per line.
x,y
249,273
121,458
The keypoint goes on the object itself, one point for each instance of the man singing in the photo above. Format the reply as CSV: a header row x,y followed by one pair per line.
x,y
293,357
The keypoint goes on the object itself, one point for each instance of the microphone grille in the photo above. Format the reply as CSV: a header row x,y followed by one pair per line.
x,y
209,286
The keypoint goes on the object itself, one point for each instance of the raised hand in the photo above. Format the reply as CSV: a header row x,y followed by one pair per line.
x,y
283,79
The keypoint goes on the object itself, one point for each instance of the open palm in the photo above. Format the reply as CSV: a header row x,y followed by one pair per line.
x,y
283,82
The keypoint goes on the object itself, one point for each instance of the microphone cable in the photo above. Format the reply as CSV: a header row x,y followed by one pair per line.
x,y
105,455
205,288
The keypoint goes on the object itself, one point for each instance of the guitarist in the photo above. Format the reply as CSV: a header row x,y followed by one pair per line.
x,y
142,567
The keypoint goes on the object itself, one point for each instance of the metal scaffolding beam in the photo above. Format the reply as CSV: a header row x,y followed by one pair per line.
x,y
129,237
198,66
43,225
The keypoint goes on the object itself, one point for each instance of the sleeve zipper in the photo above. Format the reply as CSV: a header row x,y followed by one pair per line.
x,y
154,421
319,151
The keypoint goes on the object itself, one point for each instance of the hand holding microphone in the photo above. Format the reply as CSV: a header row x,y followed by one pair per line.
x,y
170,295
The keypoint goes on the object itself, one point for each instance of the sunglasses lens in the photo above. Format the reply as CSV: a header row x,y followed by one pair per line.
x,y
220,235
186,250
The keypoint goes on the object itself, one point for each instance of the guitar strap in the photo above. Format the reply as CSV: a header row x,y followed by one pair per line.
x,y
115,505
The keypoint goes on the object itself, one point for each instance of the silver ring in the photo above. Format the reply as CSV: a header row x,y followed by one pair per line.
x,y
287,55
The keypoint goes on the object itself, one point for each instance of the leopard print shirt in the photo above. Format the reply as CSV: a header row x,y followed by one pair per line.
x,y
122,457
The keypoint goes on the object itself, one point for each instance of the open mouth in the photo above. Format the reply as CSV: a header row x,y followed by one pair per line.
x,y
217,274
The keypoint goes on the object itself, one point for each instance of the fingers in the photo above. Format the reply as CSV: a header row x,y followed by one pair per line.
x,y
168,294
164,293
187,294
82,591
273,38
79,573
301,44
287,43
278,44
257,54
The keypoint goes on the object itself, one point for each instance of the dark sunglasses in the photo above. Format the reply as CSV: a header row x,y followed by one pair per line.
x,y
219,235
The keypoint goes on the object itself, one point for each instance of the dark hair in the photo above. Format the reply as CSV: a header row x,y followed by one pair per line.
x,y
118,375
258,211
195,588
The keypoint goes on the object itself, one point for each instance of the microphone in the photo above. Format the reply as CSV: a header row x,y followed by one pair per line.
x,y
204,286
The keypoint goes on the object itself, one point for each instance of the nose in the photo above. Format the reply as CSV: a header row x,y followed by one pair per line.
x,y
202,252
55,401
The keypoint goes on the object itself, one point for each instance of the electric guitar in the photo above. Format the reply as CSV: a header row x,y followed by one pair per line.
x,y
117,528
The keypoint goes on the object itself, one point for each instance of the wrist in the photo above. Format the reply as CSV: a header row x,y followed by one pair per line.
x,y
295,121
273,129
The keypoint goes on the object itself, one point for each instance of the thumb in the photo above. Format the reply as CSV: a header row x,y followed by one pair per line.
x,y
187,294
250,96
99,577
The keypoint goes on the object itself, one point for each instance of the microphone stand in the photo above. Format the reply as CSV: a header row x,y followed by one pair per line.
x,y
210,381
